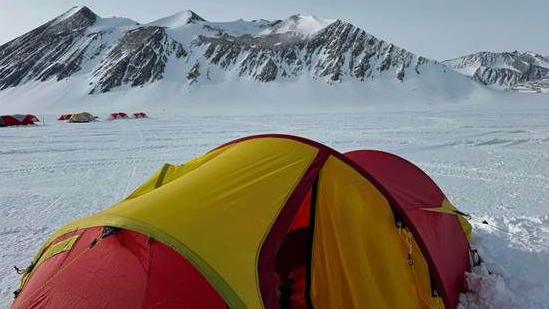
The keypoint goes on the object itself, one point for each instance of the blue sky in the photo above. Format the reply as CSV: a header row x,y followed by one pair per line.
x,y
439,29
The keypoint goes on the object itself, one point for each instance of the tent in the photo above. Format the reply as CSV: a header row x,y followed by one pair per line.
x,y
18,120
268,221
8,120
25,120
114,116
140,115
82,117
65,117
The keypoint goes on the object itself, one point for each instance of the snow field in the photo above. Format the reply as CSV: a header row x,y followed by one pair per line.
x,y
490,161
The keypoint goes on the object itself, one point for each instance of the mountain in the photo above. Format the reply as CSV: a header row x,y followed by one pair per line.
x,y
98,55
526,71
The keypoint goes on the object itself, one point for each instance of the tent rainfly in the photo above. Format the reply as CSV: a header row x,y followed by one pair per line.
x,y
82,117
114,116
139,115
268,221
18,120
65,117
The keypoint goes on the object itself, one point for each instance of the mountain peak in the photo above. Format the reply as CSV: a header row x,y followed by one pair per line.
x,y
77,12
178,19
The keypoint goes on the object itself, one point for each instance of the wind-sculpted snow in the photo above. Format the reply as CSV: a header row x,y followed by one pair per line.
x,y
491,162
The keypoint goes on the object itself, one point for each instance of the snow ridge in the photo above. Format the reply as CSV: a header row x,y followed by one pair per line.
x,y
178,19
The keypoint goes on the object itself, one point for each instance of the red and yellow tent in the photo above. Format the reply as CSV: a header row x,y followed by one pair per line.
x,y
270,221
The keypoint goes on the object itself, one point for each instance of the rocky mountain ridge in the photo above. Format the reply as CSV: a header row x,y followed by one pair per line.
x,y
114,53
522,71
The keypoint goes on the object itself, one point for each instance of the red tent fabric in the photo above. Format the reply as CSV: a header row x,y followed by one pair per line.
x,y
121,269
28,120
413,191
65,117
114,116
140,115
7,121
18,120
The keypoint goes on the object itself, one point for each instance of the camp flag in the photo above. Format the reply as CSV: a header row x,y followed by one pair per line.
x,y
268,221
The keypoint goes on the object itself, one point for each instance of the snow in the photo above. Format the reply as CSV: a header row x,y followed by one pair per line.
x,y
435,84
173,21
490,156
468,70
69,13
300,24
240,27
185,32
111,23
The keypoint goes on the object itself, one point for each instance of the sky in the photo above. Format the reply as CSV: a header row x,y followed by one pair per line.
x,y
438,29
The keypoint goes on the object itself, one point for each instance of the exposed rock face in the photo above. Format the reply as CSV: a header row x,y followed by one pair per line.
x,y
338,51
45,52
194,73
509,71
112,53
194,18
140,57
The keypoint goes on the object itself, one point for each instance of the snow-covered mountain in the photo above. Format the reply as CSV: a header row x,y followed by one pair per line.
x,y
108,54
526,71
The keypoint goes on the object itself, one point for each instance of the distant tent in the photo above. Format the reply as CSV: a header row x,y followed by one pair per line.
x,y
266,221
28,119
140,115
18,120
114,116
8,120
82,117
65,117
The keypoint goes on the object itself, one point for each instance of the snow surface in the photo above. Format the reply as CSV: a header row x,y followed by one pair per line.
x,y
173,21
490,158
299,24
112,23
224,92
69,13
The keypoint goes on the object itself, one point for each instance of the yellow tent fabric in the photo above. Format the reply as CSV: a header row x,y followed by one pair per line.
x,y
82,117
360,259
59,247
236,195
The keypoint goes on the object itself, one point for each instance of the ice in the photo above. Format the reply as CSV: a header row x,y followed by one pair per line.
x,y
491,159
